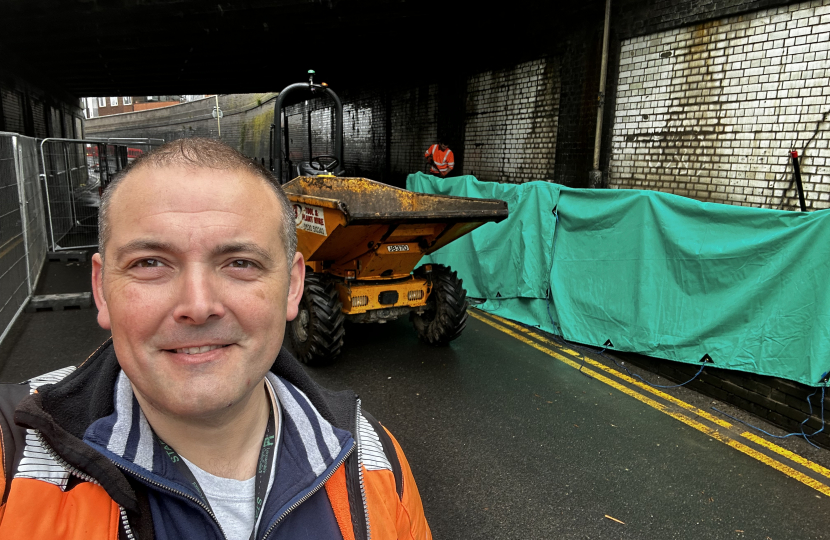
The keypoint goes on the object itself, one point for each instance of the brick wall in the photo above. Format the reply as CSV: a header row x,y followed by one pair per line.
x,y
779,401
35,112
710,111
505,120
579,74
364,135
408,114
413,123
633,18
512,122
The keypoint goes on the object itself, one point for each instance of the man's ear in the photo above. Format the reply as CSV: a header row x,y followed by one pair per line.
x,y
98,291
295,287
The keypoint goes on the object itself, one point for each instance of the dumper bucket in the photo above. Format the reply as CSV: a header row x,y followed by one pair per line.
x,y
359,228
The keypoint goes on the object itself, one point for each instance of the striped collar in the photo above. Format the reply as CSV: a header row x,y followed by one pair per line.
x,y
127,439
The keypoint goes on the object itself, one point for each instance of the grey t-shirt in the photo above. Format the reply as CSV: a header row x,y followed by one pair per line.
x,y
231,500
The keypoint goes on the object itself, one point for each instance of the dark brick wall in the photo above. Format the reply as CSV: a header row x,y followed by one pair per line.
x,y
578,106
512,119
386,131
506,118
637,17
779,401
633,18
32,111
364,122
413,120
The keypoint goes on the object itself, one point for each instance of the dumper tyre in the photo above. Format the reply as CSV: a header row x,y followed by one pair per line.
x,y
317,332
446,313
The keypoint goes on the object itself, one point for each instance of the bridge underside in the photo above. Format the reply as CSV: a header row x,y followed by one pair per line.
x,y
135,48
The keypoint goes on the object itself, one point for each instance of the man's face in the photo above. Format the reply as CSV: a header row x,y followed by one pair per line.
x,y
443,147
195,286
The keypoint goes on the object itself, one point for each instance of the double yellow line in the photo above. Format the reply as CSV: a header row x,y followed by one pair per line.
x,y
800,468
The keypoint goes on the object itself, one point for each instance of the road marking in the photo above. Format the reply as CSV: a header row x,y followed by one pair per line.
x,y
699,412
714,419
11,246
786,453
676,414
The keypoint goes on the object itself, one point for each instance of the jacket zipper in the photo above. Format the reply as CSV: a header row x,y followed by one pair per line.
x,y
310,493
360,472
177,492
128,529
83,476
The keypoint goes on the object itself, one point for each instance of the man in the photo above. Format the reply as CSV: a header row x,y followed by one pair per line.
x,y
184,425
440,159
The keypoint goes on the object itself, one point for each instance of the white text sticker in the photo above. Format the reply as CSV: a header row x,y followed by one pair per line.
x,y
401,247
310,218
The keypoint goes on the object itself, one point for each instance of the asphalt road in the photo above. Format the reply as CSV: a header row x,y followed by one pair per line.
x,y
508,439
507,442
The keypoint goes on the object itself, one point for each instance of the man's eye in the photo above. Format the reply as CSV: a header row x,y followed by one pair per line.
x,y
242,263
149,263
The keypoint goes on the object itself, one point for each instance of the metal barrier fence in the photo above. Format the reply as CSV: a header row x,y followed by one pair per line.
x,y
75,172
35,217
22,226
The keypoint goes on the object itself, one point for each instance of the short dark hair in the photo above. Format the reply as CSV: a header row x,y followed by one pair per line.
x,y
200,153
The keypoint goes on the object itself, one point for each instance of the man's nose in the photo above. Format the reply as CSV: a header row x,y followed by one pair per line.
x,y
198,296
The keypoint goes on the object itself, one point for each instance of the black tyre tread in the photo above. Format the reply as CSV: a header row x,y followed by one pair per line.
x,y
447,315
325,325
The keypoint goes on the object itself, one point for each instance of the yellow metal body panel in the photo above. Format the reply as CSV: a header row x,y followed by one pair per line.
x,y
374,251
315,225
353,289
366,230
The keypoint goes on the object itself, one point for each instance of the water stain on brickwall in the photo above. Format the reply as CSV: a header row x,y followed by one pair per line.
x,y
511,122
684,136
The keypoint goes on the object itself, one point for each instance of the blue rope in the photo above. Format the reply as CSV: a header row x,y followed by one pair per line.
x,y
582,365
801,432
498,307
702,367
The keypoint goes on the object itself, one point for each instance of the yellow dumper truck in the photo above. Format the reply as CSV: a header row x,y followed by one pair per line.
x,y
362,241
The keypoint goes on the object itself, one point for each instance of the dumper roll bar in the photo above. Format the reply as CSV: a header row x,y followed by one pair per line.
x,y
277,140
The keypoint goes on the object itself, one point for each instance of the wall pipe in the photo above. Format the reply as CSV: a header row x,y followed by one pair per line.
x,y
595,176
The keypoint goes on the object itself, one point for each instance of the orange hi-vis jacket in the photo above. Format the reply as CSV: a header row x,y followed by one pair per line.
x,y
444,161
80,462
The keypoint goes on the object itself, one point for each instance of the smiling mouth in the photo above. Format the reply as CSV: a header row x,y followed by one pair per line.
x,y
197,350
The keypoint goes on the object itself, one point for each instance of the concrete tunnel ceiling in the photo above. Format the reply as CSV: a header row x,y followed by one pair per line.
x,y
145,47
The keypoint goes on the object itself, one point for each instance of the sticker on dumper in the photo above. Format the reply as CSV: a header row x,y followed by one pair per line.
x,y
310,218
400,247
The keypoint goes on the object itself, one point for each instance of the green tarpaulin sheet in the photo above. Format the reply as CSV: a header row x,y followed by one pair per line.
x,y
654,273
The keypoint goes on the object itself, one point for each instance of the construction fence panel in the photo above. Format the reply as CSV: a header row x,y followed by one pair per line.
x,y
33,208
75,174
22,239
72,194
50,193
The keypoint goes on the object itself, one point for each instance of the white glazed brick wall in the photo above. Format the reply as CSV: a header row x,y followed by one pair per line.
x,y
710,111
512,120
